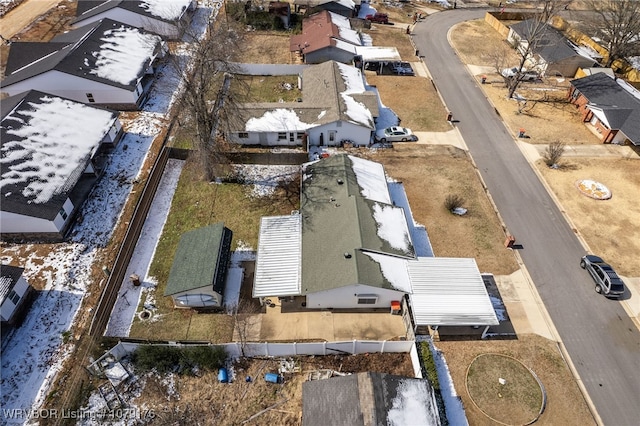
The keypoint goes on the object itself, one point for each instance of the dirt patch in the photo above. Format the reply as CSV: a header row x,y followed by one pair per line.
x,y
565,403
610,227
429,174
188,400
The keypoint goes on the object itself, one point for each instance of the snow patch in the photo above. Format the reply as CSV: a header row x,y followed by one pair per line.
x,y
394,269
392,226
165,9
371,179
277,120
414,404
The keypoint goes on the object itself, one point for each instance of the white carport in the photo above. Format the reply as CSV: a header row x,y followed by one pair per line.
x,y
449,292
374,57
278,261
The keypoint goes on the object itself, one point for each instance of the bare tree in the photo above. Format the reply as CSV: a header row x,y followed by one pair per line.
x,y
617,24
244,318
205,68
553,153
534,36
498,57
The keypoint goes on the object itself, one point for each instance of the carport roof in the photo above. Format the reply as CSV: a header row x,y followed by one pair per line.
x,y
278,261
378,53
449,291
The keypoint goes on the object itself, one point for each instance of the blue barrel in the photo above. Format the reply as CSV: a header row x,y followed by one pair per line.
x,y
222,375
272,378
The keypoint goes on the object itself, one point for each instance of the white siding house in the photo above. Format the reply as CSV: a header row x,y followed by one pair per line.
x,y
52,151
106,63
166,18
335,108
14,293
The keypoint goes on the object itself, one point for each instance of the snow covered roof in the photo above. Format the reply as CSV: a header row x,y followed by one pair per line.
x,y
107,51
165,10
47,142
331,92
9,276
449,291
278,261
325,29
351,233
390,400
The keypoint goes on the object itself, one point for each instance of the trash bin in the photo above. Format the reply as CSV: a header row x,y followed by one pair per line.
x,y
521,133
483,79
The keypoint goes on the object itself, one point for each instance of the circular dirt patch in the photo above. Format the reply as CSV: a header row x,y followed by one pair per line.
x,y
593,189
505,390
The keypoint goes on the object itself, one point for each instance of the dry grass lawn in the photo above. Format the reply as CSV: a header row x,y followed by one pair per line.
x,y
565,403
610,227
192,400
429,174
266,47
544,122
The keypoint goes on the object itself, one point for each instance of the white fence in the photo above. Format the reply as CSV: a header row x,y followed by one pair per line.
x,y
234,350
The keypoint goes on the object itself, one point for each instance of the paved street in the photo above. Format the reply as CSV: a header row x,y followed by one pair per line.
x,y
602,341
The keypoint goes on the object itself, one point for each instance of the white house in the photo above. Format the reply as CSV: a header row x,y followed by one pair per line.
x,y
199,268
335,108
351,247
15,292
106,63
167,18
52,151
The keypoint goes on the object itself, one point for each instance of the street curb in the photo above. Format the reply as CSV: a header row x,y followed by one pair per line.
x,y
543,310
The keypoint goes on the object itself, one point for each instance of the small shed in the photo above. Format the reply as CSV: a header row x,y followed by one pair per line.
x,y
199,268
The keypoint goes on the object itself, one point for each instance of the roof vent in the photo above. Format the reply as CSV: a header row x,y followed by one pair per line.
x,y
332,199
340,181
347,255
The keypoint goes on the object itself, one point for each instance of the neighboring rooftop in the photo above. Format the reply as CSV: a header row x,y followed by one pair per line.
x,y
9,276
47,142
369,399
616,102
331,91
164,10
105,51
324,29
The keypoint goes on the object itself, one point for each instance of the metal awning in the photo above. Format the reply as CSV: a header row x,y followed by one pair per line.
x,y
278,261
449,291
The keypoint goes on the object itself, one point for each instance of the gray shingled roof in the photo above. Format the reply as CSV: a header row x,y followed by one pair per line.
x,y
338,219
9,276
321,100
621,108
73,53
89,8
369,399
15,116
552,45
201,260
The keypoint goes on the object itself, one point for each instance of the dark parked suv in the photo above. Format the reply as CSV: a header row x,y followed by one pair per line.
x,y
607,281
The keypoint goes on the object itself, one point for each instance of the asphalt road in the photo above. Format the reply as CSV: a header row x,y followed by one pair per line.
x,y
600,338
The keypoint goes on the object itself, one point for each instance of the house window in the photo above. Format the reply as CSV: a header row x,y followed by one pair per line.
x,y
367,299
332,136
13,296
63,214
282,136
291,135
243,135
90,97
299,135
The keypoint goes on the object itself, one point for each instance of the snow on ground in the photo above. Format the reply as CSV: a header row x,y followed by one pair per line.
x,y
265,179
453,405
129,295
33,354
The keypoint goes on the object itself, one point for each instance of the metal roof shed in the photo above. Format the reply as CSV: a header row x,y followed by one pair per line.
x,y
278,261
449,292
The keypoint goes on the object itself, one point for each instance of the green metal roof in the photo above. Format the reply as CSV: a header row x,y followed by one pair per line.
x,y
338,223
200,260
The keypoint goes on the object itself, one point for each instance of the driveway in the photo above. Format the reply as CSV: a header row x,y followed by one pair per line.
x,y
600,338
